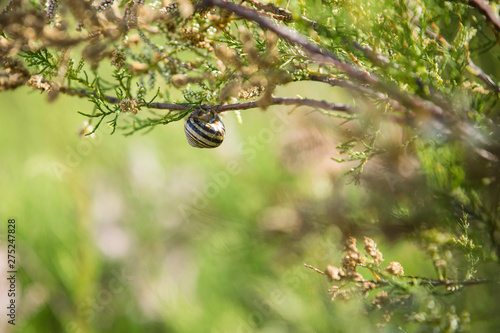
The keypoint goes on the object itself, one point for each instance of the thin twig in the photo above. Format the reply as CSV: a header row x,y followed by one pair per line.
x,y
286,15
476,70
366,90
485,8
446,283
283,101
9,6
315,269
421,280
223,108
377,59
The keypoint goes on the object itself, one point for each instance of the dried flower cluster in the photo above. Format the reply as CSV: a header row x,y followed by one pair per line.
x,y
371,249
251,92
38,82
118,59
15,73
396,291
395,268
350,281
196,38
353,257
393,286
129,105
104,4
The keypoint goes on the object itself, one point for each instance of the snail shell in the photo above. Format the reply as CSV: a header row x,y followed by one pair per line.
x,y
204,129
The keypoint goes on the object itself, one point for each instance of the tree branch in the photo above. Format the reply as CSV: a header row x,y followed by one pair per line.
x,y
322,55
365,90
476,70
224,108
485,8
421,280
447,122
446,283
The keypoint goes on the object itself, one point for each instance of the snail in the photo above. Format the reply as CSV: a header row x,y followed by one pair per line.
x,y
204,129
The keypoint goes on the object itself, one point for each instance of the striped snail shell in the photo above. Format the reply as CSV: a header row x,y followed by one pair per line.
x,y
204,129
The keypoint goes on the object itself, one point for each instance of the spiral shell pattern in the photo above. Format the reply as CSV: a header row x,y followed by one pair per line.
x,y
204,129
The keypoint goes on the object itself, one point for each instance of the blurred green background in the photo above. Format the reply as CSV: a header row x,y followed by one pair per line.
x,y
147,234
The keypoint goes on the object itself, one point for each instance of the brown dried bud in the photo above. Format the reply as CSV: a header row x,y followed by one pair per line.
x,y
381,298
334,273
129,105
357,277
38,82
395,268
118,59
251,92
371,249
350,244
353,257
16,74
192,35
368,285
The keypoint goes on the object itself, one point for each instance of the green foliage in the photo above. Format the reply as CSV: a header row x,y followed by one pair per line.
x,y
417,144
